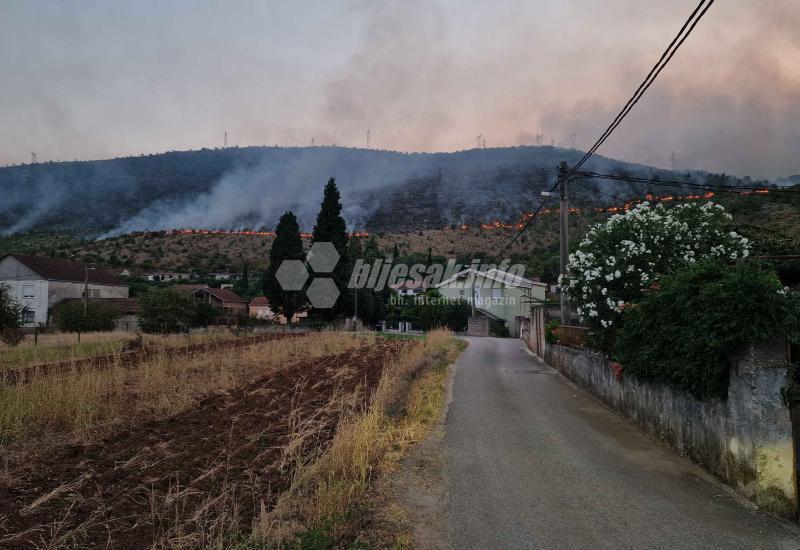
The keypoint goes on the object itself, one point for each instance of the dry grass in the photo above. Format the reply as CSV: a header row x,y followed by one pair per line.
x,y
83,406
408,401
64,346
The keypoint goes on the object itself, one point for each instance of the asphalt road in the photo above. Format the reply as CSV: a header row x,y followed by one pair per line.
x,y
533,461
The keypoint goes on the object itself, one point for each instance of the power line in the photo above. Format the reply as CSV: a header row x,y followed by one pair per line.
x,y
530,220
665,58
615,197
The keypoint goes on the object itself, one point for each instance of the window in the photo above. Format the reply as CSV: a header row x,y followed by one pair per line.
x,y
28,292
497,294
27,316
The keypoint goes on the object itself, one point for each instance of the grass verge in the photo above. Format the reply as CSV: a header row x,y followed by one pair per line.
x,y
322,507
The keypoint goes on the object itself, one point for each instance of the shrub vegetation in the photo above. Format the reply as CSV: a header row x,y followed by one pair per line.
x,y
685,332
69,316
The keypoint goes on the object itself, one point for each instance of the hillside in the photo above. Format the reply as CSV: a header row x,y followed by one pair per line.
x,y
251,187
773,221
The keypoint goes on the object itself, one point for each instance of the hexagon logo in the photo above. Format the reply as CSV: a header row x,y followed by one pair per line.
x,y
291,275
322,293
322,257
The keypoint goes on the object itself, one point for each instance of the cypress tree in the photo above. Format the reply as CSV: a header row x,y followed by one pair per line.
x,y
287,246
331,227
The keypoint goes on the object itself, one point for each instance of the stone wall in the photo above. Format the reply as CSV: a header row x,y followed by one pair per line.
x,y
745,440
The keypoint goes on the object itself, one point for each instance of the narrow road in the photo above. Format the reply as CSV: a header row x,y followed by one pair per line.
x,y
533,461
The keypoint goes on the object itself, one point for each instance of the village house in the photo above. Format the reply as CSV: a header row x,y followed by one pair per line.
x,y
409,288
167,276
259,309
226,301
497,295
39,283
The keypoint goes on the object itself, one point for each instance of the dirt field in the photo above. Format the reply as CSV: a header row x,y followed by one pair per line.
x,y
184,480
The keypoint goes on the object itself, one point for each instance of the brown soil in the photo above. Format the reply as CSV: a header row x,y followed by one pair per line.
x,y
170,480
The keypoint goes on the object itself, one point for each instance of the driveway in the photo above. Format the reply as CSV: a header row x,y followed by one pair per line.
x,y
532,461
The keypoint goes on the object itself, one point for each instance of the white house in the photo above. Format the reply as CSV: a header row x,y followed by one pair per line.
x,y
497,294
39,283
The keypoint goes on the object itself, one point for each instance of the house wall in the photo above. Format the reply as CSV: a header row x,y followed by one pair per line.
x,y
512,306
36,290
260,312
60,290
47,294
745,440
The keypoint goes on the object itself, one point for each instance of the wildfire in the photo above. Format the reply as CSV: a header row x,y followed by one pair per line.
x,y
519,224
497,224
227,232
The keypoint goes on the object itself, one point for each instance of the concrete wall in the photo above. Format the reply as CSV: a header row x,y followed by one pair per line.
x,y
745,440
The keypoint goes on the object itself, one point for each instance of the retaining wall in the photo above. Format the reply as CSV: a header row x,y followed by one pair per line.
x,y
745,440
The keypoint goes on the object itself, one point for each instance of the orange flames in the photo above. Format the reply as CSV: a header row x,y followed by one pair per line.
x,y
225,232
519,224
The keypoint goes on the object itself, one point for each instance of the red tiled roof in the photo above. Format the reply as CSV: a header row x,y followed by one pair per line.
x,y
259,301
58,269
223,294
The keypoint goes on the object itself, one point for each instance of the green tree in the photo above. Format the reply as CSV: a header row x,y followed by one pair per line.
x,y
287,245
69,316
10,317
165,310
331,227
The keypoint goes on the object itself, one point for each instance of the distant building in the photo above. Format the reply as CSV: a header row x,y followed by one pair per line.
x,y
409,288
168,276
259,308
224,276
498,295
226,301
39,283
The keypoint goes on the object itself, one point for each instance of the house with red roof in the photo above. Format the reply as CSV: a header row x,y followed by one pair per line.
x,y
39,283
226,301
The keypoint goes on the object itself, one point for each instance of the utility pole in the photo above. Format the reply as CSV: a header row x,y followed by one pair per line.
x,y
355,309
564,235
85,291
368,144
85,298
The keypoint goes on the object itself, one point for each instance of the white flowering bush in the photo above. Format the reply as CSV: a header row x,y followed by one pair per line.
x,y
621,258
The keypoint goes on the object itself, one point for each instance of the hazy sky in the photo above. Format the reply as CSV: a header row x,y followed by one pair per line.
x,y
109,78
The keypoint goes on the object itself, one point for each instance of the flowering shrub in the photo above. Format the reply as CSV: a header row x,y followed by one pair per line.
x,y
622,258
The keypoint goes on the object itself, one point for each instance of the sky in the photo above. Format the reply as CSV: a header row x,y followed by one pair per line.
x,y
87,80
